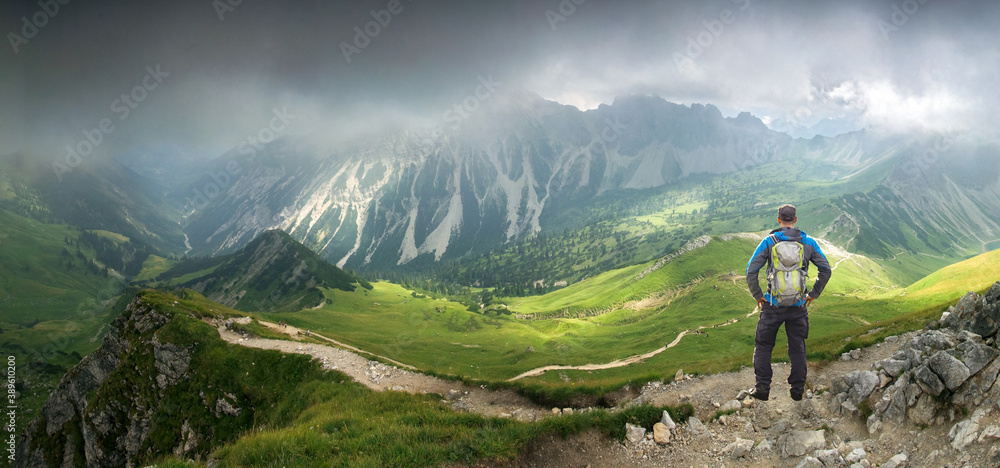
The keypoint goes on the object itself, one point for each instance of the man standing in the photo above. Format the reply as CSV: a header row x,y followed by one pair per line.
x,y
787,253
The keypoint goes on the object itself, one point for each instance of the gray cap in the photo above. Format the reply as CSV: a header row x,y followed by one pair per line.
x,y
786,213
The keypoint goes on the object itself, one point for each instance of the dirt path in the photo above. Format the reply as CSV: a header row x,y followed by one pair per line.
x,y
626,361
758,422
382,377
292,331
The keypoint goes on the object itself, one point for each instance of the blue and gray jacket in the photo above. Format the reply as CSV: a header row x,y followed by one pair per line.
x,y
811,250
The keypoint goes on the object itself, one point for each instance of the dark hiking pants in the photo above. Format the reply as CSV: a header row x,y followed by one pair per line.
x,y
796,321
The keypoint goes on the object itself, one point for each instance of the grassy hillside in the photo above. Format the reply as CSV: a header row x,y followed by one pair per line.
x,y
293,413
601,319
272,273
974,274
52,302
629,228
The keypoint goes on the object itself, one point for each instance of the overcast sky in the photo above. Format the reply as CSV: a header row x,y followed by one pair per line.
x,y
224,69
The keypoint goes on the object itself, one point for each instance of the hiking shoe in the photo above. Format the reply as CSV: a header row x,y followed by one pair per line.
x,y
759,394
796,396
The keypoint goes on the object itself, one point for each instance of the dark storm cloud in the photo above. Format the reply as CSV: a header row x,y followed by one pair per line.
x,y
225,69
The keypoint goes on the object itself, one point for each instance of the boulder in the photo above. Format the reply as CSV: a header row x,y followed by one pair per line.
x,y
933,340
952,372
799,443
892,366
922,413
865,383
975,355
928,381
696,427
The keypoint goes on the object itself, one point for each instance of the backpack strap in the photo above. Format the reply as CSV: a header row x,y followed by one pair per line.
x,y
774,242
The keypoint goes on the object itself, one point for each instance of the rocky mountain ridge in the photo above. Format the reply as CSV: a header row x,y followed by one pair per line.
x,y
495,179
272,273
524,163
161,383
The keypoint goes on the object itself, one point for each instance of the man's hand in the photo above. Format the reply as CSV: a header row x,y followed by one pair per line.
x,y
760,303
809,300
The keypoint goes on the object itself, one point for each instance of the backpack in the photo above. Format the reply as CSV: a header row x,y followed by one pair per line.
x,y
786,273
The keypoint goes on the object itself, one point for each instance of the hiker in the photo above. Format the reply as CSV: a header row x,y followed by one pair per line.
x,y
786,252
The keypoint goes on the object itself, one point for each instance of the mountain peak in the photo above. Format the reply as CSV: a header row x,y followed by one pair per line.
x,y
274,272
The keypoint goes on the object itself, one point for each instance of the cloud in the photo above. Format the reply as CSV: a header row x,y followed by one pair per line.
x,y
780,59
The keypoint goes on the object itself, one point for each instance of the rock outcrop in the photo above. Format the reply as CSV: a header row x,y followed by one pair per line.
x,y
107,409
950,368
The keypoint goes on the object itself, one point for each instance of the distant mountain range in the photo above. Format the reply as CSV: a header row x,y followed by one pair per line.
x,y
525,164
826,127
522,166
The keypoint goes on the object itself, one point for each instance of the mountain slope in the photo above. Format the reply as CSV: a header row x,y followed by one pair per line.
x,y
525,167
98,195
273,273
623,313
969,275
390,201
165,387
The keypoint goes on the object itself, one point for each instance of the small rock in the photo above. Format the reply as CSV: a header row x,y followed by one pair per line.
x,y
666,420
696,427
829,457
739,448
567,411
883,380
679,376
763,446
897,461
992,432
661,433
856,455
742,395
963,434
634,434
731,405
994,455
556,410
809,462
523,415
799,443
453,395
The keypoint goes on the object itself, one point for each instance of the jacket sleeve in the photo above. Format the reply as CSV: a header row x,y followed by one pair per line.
x,y
757,261
823,266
